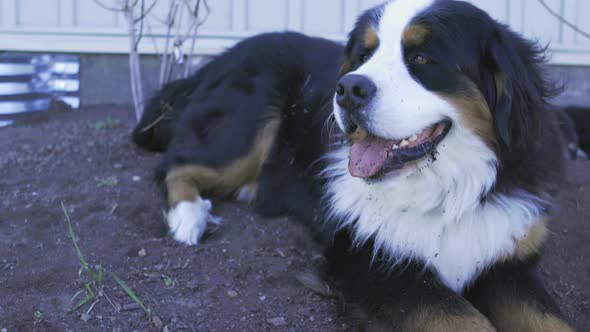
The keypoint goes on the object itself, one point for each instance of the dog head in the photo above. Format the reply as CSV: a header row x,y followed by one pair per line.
x,y
423,80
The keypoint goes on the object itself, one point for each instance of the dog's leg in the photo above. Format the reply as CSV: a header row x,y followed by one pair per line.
x,y
511,295
436,318
513,298
189,212
408,301
405,298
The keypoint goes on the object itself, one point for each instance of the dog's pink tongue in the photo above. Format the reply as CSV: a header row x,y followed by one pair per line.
x,y
368,156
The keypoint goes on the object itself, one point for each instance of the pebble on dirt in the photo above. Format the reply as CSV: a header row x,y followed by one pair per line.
x,y
277,321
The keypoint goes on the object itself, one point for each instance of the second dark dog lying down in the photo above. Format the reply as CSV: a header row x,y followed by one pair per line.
x,y
575,127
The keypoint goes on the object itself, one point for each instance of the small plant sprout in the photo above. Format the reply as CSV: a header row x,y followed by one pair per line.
x,y
91,278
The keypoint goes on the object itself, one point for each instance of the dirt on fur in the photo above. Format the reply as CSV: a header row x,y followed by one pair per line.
x,y
242,277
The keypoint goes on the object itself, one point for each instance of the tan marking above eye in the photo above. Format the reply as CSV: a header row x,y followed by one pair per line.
x,y
370,38
415,35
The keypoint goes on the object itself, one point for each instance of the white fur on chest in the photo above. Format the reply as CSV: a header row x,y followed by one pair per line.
x,y
434,215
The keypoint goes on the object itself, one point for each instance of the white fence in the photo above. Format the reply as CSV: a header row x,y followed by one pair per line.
x,y
81,26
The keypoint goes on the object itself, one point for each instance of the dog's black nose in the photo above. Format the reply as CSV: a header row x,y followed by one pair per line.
x,y
354,92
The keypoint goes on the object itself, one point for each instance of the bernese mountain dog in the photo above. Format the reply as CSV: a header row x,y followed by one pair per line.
x,y
424,152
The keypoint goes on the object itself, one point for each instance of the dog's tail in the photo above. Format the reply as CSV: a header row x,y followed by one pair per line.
x,y
154,130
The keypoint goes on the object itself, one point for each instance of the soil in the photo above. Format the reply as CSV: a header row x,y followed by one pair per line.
x,y
242,277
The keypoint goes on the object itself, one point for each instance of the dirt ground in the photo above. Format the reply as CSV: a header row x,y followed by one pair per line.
x,y
241,278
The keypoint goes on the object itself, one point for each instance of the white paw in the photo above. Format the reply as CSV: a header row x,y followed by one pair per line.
x,y
188,220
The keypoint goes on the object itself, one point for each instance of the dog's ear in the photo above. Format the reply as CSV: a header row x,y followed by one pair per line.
x,y
503,77
520,87
503,106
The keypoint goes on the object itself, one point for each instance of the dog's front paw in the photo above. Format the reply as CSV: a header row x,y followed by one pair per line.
x,y
188,220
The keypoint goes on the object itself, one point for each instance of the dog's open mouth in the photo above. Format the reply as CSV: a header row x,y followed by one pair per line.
x,y
372,156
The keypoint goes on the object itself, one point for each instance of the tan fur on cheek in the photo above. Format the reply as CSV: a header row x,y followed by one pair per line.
x,y
475,114
358,135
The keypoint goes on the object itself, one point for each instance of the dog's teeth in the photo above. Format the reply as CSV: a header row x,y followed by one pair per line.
x,y
395,147
404,143
413,138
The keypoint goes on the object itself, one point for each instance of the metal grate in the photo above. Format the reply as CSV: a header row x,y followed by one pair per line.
x,y
29,83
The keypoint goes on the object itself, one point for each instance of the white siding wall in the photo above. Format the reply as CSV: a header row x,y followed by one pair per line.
x,y
82,26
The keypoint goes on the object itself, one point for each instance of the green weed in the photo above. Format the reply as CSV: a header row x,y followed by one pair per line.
x,y
93,289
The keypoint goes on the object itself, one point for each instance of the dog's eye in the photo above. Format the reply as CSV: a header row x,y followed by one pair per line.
x,y
420,60
365,56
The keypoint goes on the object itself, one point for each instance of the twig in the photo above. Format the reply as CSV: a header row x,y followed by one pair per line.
x,y
142,18
174,39
564,20
166,57
113,9
135,20
196,25
92,306
178,41
113,209
154,123
135,70
146,12
153,38
194,28
117,308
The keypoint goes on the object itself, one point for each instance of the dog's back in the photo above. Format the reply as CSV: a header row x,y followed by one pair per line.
x,y
267,67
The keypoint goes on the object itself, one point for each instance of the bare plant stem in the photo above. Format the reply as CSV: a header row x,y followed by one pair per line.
x,y
195,28
134,64
173,42
166,55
